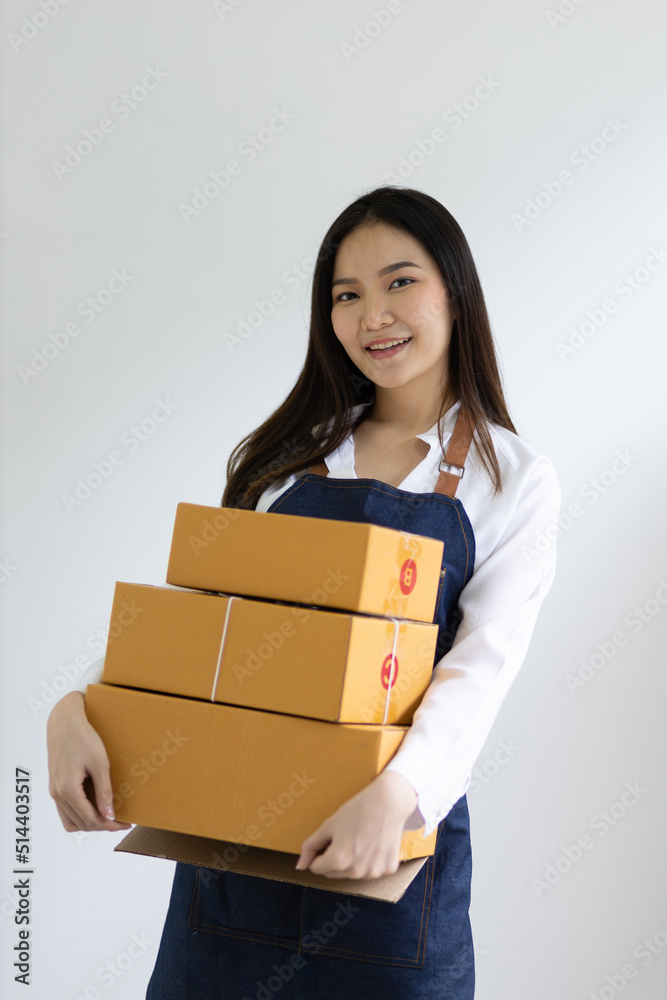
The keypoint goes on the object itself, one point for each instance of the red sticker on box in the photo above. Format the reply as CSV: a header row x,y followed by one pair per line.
x,y
386,671
408,576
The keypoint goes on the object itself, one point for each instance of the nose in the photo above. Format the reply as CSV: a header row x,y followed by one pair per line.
x,y
374,313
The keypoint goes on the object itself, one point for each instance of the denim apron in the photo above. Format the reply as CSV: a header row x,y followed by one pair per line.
x,y
241,937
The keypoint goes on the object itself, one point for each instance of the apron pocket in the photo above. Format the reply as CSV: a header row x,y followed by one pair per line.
x,y
369,930
246,906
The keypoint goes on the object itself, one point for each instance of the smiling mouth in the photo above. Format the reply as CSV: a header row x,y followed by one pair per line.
x,y
379,348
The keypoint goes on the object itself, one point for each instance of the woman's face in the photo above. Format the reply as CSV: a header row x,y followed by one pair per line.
x,y
407,303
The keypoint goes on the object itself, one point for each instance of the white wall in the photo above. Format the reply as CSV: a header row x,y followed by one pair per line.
x,y
220,71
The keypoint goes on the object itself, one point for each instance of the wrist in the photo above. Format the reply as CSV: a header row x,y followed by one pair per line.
x,y
70,704
399,794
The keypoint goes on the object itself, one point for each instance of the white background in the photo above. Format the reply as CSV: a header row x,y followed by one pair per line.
x,y
359,113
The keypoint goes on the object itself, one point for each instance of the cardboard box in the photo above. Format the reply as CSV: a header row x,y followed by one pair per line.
x,y
279,657
277,865
349,565
235,774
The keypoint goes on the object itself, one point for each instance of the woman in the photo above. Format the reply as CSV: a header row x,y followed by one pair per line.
x,y
398,418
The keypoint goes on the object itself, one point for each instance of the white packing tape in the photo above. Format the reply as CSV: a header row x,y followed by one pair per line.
x,y
222,646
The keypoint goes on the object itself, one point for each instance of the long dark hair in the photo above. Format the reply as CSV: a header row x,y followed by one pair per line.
x,y
330,384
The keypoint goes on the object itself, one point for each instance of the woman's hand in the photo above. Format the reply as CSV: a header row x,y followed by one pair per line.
x,y
77,754
362,839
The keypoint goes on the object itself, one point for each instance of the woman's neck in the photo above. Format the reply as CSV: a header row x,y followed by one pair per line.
x,y
406,409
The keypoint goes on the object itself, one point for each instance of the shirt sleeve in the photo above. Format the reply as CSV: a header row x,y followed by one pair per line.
x,y
500,604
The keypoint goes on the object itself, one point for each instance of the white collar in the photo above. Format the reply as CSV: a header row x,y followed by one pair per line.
x,y
342,459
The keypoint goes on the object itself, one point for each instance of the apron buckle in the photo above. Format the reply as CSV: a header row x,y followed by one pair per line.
x,y
456,470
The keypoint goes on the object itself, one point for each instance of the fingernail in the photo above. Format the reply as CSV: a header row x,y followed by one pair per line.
x,y
108,813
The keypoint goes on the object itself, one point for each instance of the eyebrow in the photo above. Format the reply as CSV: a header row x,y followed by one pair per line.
x,y
384,270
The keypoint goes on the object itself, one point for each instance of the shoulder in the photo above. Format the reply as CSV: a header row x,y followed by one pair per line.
x,y
528,501
520,463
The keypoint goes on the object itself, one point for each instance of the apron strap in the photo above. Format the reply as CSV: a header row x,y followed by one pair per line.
x,y
454,458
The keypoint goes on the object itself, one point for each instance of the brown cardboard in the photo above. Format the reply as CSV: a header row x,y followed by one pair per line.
x,y
286,658
237,774
349,565
277,865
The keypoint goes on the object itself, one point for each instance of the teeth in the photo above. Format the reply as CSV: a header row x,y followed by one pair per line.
x,y
392,343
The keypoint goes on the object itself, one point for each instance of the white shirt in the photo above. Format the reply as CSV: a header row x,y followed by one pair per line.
x,y
515,557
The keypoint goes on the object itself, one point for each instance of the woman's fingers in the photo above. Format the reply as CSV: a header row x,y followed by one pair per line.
x,y
71,798
350,860
81,813
72,801
99,789
66,820
312,846
373,864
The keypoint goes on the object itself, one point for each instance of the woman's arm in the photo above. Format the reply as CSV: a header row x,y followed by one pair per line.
x,y
77,755
500,604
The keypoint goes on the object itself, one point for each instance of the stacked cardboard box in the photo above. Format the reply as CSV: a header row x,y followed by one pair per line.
x,y
272,677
